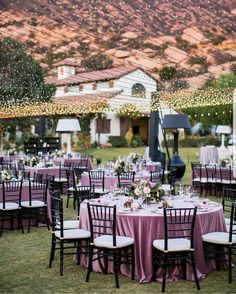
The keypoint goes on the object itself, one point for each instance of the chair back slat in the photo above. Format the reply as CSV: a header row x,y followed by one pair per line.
x,y
37,191
97,178
11,192
155,176
232,227
83,193
125,179
57,212
179,223
229,197
102,221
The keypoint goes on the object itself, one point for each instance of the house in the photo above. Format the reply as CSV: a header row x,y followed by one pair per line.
x,y
121,86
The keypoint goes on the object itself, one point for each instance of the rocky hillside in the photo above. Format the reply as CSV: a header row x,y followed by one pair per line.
x,y
196,36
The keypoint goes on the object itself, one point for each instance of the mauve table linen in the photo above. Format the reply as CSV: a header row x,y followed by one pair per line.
x,y
111,181
147,225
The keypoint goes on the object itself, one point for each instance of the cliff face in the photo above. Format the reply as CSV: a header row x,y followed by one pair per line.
x,y
148,33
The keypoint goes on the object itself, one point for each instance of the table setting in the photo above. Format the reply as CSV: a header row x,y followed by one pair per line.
x,y
143,220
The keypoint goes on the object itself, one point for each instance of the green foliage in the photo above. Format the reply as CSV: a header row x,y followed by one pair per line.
x,y
225,81
167,73
177,84
85,121
136,141
33,22
117,141
97,62
21,77
218,39
211,115
233,68
201,60
194,141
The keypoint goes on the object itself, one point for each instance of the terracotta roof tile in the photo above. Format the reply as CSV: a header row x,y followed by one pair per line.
x,y
93,76
79,98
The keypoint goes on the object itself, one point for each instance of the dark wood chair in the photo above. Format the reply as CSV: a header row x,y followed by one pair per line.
x,y
220,246
125,179
62,239
10,208
36,205
178,242
104,243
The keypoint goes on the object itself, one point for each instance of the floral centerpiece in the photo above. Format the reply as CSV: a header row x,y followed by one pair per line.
x,y
34,160
121,166
134,157
5,175
58,154
12,152
147,190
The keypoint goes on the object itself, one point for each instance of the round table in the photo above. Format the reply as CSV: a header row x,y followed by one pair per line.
x,y
146,225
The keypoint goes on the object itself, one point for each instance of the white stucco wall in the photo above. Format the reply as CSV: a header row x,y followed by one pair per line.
x,y
115,128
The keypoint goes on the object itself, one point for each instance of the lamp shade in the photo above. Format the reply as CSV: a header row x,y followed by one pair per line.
x,y
223,129
68,125
176,121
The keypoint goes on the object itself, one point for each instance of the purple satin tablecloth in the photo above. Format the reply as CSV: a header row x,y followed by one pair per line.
x,y
111,181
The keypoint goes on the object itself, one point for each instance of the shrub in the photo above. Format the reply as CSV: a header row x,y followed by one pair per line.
x,y
167,73
117,141
195,141
136,141
97,62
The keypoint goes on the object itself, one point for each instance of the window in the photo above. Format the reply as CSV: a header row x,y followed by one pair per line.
x,y
103,126
138,90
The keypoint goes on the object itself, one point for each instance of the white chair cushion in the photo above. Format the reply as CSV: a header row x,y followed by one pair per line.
x,y
34,203
60,180
218,238
71,189
196,180
106,241
9,206
73,234
69,224
203,180
174,245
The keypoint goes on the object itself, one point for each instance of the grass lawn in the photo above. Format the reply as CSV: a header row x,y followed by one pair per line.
x,y
24,260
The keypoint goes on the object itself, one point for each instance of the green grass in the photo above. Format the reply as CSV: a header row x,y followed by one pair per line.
x,y
24,260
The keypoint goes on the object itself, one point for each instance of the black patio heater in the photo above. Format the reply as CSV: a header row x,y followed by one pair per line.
x,y
175,122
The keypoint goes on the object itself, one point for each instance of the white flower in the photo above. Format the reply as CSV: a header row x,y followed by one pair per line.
x,y
146,190
137,192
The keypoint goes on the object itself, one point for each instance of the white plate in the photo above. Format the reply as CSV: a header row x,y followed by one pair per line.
x,y
125,210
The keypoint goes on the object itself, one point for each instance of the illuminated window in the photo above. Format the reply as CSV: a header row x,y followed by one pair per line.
x,y
138,90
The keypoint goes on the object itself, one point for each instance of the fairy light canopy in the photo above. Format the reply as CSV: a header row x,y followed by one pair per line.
x,y
164,99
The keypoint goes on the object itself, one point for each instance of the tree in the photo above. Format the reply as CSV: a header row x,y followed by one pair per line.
x,y
167,73
21,81
21,77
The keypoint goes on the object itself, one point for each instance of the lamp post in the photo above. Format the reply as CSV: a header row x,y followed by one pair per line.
x,y
175,122
66,127
222,129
